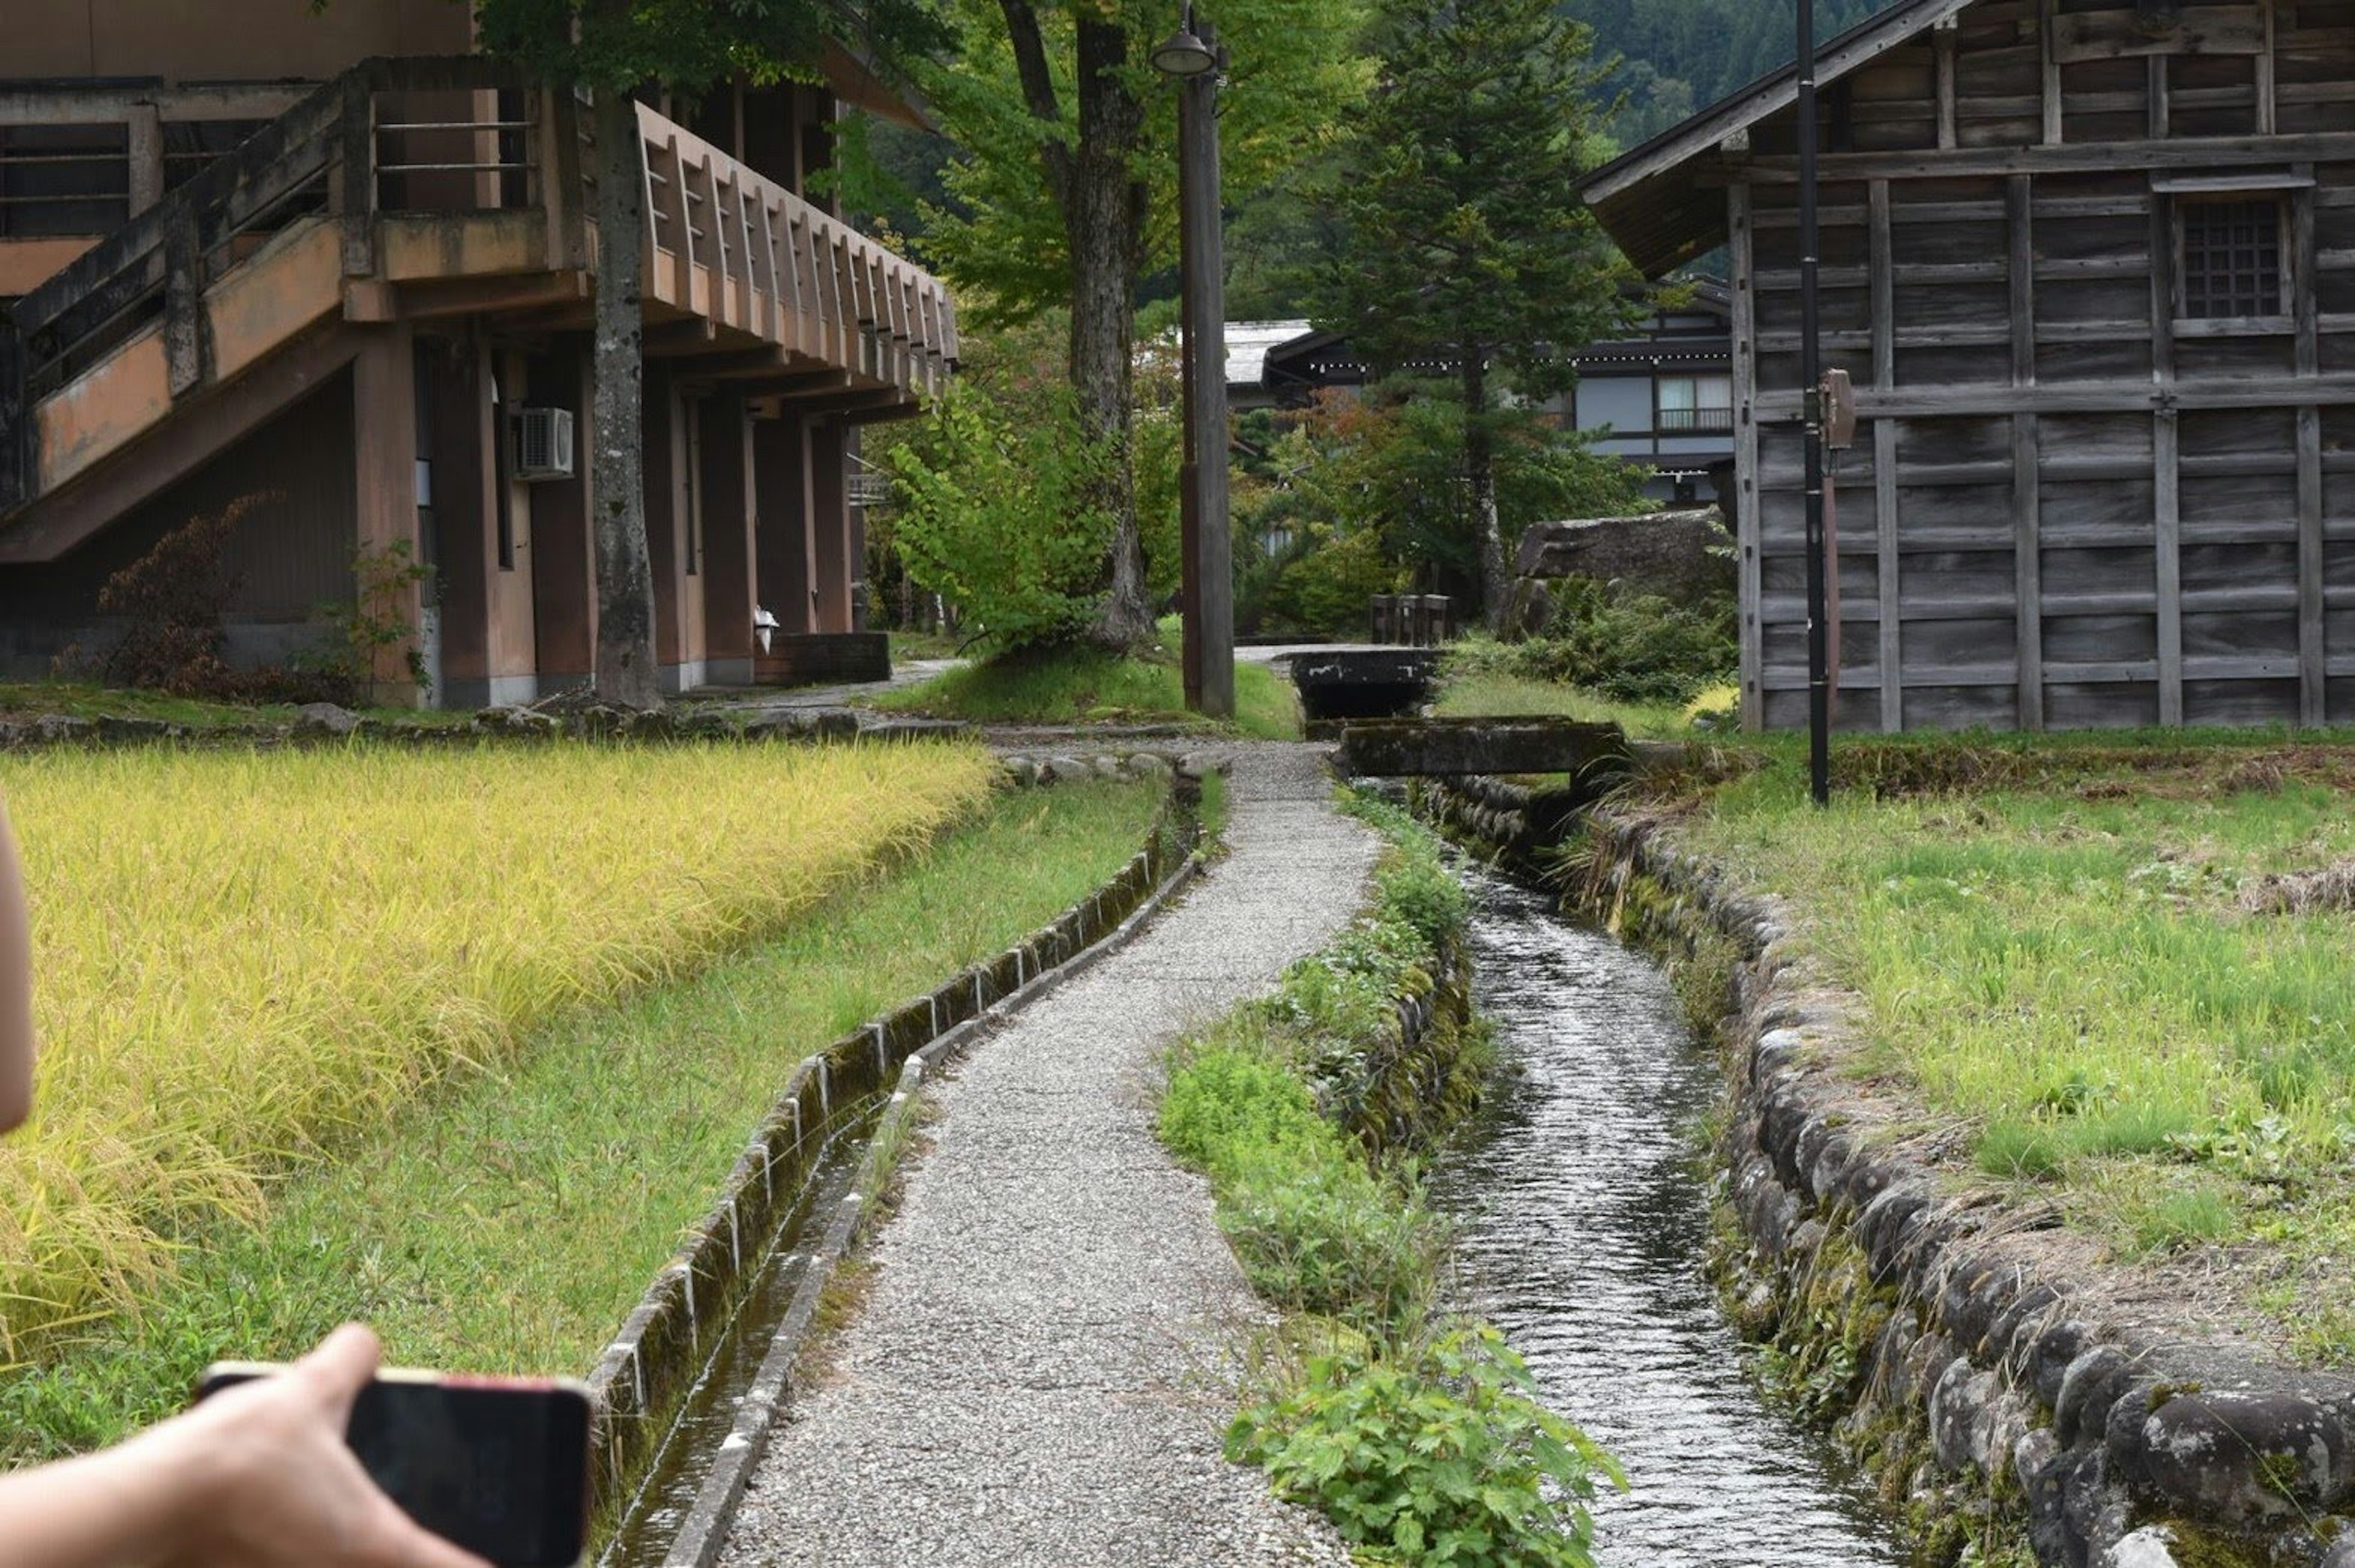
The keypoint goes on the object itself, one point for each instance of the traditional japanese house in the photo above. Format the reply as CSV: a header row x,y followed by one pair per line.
x,y
2091,264
332,261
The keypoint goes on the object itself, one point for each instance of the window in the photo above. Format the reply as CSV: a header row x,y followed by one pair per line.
x,y
2231,258
1696,404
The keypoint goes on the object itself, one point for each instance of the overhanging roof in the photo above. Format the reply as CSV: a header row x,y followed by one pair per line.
x,y
1646,200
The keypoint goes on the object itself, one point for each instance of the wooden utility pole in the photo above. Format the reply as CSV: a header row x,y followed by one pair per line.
x,y
1209,595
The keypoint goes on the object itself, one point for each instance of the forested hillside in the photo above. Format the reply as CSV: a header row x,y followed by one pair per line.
x,y
1682,54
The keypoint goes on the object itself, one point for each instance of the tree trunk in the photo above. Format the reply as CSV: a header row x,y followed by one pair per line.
x,y
1480,482
625,673
1104,218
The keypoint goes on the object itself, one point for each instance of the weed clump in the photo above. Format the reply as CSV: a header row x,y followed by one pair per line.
x,y
1416,1434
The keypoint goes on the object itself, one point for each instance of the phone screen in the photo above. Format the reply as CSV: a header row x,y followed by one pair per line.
x,y
498,1466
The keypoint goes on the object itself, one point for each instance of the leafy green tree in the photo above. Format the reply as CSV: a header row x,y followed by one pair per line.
x,y
613,48
998,492
1065,195
1467,244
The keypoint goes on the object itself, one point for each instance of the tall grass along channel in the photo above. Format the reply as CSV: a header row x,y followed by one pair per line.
x,y
1581,1222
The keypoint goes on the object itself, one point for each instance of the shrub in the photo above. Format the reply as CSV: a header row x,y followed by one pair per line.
x,y
174,599
1631,648
1432,1453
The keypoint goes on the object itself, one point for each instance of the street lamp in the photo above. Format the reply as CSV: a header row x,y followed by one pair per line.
x,y
1193,61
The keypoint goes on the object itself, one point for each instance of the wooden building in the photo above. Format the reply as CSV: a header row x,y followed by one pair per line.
x,y
2091,266
1659,398
330,260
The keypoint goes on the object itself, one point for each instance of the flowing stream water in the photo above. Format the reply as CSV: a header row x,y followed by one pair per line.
x,y
1583,1221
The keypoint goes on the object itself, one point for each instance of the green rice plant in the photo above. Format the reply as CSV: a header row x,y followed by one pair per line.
x,y
508,1222
247,960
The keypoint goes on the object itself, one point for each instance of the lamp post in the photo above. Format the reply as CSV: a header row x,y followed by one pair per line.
x,y
1811,377
1208,596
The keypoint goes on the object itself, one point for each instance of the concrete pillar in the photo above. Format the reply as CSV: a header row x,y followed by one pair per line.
x,y
563,558
144,138
830,527
673,531
384,475
455,443
730,512
660,424
781,470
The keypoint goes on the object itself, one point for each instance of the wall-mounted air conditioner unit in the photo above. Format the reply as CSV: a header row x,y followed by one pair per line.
x,y
542,443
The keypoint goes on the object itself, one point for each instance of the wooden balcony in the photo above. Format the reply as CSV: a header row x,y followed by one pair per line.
x,y
413,189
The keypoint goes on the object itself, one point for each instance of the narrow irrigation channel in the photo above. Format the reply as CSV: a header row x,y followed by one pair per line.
x,y
649,1522
1582,1220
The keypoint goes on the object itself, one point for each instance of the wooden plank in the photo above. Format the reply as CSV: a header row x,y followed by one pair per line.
x,y
2200,30
2159,112
1884,441
2026,494
1745,451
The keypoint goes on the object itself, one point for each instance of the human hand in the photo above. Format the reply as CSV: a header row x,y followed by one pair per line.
x,y
272,1483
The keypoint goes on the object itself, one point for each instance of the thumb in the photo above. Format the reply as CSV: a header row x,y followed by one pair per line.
x,y
340,1367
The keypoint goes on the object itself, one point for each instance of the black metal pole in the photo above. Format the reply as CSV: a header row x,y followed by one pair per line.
x,y
1811,377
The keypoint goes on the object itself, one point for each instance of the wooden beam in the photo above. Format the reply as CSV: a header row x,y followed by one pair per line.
x,y
1884,443
1748,497
2027,495
2268,74
2159,112
1994,399
1941,39
2049,73
2088,157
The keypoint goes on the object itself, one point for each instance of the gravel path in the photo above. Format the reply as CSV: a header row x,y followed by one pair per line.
x,y
1043,1367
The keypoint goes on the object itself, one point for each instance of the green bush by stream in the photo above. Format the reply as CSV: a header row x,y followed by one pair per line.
x,y
1413,1429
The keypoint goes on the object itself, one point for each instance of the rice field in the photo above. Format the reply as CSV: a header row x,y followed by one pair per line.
x,y
243,959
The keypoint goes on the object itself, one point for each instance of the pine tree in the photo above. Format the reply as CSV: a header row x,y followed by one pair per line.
x,y
1467,244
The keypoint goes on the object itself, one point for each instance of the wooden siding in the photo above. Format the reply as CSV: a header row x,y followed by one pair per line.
x,y
2067,507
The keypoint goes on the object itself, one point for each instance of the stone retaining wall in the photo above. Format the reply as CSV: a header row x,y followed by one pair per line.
x,y
661,1349
1999,1395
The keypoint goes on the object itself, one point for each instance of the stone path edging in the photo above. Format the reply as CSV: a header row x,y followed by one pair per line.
x,y
1051,1337
662,1346
2108,1428
701,1537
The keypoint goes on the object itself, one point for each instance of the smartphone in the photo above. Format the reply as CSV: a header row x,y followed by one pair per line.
x,y
500,1466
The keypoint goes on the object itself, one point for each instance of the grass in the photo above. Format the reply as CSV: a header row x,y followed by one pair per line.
x,y
1088,686
246,959
510,1220
1491,694
2050,940
83,700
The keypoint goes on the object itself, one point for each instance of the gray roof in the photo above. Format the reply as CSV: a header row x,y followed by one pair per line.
x,y
1248,343
1647,198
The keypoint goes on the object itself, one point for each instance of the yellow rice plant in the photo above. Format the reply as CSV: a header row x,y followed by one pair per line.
x,y
241,956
